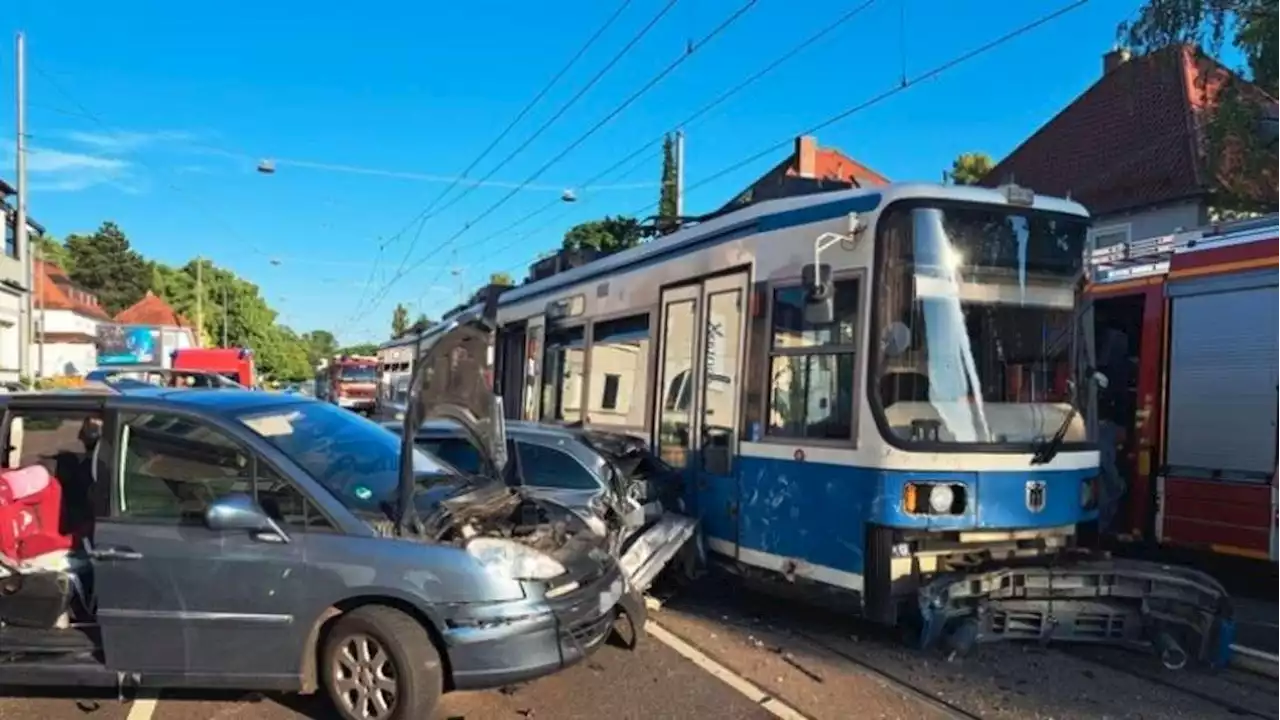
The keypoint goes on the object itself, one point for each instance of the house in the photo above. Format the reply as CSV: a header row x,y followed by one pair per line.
x,y
1132,147
809,168
67,319
168,331
14,288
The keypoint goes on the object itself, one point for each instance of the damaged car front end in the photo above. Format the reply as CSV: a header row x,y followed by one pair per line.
x,y
575,590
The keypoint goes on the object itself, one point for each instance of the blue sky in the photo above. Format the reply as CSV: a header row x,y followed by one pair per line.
x,y
153,114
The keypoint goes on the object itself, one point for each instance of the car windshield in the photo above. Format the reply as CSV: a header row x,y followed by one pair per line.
x,y
356,459
359,373
975,323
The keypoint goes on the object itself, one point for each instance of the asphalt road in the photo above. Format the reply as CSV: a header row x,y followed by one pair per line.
x,y
652,682
719,651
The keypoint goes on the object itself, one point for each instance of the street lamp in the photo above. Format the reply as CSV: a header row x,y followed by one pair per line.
x,y
267,166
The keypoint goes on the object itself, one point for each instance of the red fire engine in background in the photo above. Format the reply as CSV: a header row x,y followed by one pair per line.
x,y
232,363
1199,310
353,382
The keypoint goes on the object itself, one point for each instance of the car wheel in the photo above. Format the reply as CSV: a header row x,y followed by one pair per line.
x,y
380,664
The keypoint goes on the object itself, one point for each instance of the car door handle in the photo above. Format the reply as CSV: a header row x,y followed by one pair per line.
x,y
114,553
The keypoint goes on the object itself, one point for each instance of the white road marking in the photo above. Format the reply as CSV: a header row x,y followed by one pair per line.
x,y
143,707
743,686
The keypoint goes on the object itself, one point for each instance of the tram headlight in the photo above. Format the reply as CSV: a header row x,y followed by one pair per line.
x,y
934,498
941,498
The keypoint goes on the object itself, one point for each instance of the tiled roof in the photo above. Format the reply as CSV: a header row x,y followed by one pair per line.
x,y
1134,139
833,164
151,310
830,170
57,292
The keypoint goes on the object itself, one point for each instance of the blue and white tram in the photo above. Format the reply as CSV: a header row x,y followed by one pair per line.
x,y
874,391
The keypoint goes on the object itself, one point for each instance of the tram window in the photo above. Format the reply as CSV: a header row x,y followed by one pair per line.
x,y
562,375
811,367
533,368
619,371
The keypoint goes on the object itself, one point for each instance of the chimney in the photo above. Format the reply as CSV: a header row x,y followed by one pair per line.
x,y
806,156
1115,59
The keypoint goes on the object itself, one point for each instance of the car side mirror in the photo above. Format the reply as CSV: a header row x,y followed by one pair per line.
x,y
237,512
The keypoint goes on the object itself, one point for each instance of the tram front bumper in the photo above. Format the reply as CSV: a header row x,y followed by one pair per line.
x,y
1181,612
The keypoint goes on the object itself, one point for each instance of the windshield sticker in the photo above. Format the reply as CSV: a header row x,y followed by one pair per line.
x,y
363,493
273,425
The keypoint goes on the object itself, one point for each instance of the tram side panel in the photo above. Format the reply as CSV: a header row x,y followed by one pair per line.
x,y
1217,482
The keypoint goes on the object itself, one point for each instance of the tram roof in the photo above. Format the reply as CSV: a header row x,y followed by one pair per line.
x,y
771,215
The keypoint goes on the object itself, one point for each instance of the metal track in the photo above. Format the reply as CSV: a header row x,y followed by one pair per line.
x,y
1228,705
943,707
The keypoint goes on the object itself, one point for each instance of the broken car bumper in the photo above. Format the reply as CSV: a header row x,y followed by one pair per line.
x,y
497,644
652,549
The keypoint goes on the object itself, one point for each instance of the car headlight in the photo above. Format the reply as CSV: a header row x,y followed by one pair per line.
x,y
514,561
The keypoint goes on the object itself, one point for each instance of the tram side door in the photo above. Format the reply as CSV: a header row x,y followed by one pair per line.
x,y
511,373
700,373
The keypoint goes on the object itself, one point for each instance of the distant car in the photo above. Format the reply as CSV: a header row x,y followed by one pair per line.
x,y
123,378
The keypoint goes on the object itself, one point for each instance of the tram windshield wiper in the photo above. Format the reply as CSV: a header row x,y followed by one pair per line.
x,y
1047,450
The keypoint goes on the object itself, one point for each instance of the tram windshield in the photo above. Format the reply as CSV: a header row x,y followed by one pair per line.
x,y
974,317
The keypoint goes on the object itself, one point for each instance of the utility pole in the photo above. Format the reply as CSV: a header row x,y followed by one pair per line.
x,y
679,175
224,315
21,241
39,286
199,301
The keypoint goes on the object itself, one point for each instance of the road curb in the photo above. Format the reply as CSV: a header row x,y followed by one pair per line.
x,y
1255,661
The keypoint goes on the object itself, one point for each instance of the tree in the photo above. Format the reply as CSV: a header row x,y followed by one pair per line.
x,y
320,344
607,236
422,323
360,349
399,320
501,278
104,263
52,251
970,168
668,207
1238,141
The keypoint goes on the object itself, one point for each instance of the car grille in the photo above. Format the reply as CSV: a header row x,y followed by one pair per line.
x,y
589,632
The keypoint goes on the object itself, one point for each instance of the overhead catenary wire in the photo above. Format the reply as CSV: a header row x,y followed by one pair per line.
x,y
904,85
434,208
87,114
702,111
693,47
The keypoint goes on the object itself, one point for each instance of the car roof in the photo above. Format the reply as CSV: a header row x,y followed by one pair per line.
x,y
214,400
524,428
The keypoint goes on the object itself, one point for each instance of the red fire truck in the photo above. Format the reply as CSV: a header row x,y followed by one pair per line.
x,y
353,382
1198,432
232,363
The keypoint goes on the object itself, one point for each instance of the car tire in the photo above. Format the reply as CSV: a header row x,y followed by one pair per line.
x,y
380,664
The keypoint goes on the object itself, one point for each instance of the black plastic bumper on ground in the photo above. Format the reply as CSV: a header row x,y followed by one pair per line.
x,y
1183,613
525,642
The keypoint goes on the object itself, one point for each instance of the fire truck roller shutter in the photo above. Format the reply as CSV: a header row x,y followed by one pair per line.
x,y
1223,374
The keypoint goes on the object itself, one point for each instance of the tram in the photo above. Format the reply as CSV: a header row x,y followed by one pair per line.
x,y
886,394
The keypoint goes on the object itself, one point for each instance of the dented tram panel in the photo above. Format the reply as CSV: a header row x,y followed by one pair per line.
x,y
828,455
